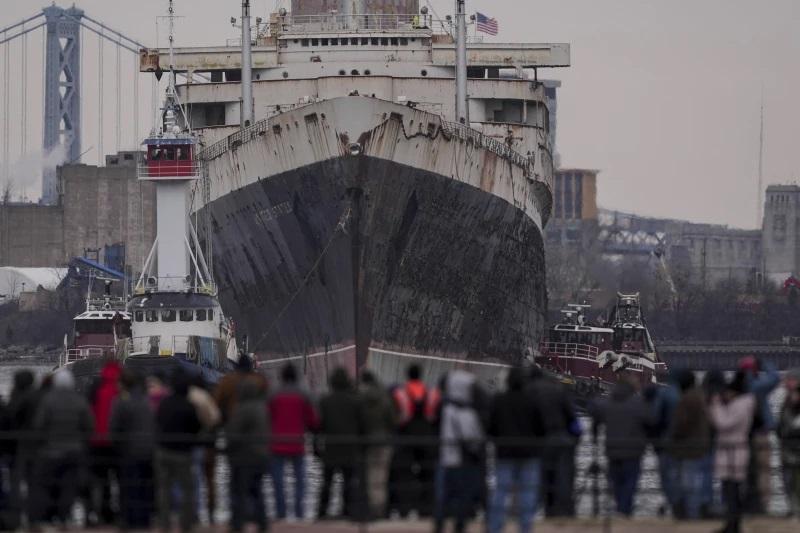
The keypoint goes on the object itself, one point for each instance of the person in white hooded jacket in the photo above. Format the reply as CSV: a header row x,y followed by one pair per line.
x,y
461,453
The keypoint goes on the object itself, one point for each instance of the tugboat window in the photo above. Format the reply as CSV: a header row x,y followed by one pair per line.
x,y
168,315
152,316
183,154
186,315
138,316
200,315
211,314
169,154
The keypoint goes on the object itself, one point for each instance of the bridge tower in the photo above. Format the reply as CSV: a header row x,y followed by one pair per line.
x,y
62,90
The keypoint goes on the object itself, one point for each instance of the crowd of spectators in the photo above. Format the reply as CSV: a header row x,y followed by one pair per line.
x,y
141,451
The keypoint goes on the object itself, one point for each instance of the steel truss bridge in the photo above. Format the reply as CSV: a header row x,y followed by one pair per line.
x,y
64,65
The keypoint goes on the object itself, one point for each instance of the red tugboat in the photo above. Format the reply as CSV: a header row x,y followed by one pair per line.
x,y
594,357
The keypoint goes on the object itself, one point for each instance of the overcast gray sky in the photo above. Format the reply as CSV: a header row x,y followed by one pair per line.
x,y
663,96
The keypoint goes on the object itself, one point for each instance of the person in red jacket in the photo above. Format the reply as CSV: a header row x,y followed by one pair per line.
x,y
291,414
103,461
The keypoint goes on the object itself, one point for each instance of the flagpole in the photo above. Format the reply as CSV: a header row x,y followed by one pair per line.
x,y
462,107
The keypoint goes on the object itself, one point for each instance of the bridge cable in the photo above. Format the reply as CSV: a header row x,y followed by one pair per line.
x,y
6,108
100,152
136,139
24,91
118,99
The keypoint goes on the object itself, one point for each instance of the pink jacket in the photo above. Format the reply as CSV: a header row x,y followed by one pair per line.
x,y
733,422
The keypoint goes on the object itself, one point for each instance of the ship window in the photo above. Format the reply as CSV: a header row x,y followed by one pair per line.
x,y
168,315
211,314
200,314
385,41
304,42
186,315
183,154
354,41
138,316
364,41
314,42
335,42
394,41
151,316
324,42
374,41
169,154
404,41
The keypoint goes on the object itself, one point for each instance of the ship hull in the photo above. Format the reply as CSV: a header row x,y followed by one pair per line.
x,y
367,261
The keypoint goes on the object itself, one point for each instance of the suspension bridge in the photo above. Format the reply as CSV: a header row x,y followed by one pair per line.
x,y
53,63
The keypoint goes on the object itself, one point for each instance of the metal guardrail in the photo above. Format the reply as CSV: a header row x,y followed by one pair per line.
x,y
466,133
564,349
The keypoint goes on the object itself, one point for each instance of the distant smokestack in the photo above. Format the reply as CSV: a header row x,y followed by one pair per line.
x,y
324,7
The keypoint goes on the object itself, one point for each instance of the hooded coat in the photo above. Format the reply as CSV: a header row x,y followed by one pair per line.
x,y
342,419
63,419
247,430
461,429
627,419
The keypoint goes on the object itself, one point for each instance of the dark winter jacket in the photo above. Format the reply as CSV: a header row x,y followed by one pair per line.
x,y
690,432
626,418
342,420
380,414
132,425
789,431
64,422
516,421
247,430
291,415
177,423
558,412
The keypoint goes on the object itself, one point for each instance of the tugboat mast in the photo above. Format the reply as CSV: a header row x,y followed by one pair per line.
x,y
247,67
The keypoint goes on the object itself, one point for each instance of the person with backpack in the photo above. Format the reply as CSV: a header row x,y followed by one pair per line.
x,y
461,451
414,461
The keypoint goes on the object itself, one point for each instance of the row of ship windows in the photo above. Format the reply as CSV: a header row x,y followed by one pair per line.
x,y
171,315
355,41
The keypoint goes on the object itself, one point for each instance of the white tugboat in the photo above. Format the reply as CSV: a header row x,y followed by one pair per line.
x,y
177,319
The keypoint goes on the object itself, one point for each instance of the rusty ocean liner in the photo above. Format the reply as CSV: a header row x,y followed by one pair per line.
x,y
375,187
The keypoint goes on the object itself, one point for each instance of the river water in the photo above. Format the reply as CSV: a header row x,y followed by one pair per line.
x,y
648,500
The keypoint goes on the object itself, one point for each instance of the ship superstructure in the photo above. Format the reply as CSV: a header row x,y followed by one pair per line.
x,y
177,321
368,213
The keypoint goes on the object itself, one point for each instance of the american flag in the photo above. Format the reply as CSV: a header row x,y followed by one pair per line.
x,y
485,24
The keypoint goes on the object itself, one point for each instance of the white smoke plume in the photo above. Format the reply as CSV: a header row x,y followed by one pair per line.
x,y
25,179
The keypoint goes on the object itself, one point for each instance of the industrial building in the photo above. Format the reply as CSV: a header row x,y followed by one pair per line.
x,y
103,213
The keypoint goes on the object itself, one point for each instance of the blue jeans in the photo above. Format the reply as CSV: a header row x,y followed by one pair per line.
x,y
623,476
298,463
690,486
667,476
522,475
